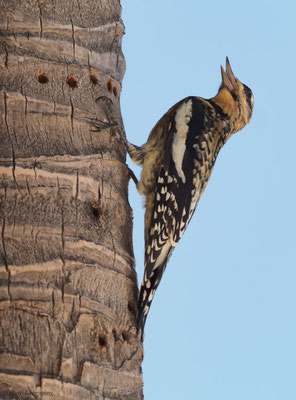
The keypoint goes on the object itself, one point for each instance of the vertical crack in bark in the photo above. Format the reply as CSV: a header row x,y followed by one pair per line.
x,y
28,188
27,131
102,187
26,105
77,185
62,256
114,252
40,18
53,304
78,5
80,366
73,37
6,56
21,326
59,358
76,193
112,44
11,143
72,123
114,38
34,168
62,234
103,386
15,137
5,257
58,186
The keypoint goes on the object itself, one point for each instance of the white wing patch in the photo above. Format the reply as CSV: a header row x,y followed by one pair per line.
x,y
163,254
183,116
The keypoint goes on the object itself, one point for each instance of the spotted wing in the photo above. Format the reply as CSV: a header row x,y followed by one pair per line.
x,y
176,196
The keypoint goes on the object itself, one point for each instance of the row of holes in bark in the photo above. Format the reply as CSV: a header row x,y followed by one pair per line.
x,y
103,338
72,82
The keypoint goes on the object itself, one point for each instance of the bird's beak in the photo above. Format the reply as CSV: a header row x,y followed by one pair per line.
x,y
228,78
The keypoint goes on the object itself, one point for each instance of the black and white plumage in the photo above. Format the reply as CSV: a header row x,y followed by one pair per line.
x,y
177,162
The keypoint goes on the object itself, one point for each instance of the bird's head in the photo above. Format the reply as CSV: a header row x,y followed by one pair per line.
x,y
235,98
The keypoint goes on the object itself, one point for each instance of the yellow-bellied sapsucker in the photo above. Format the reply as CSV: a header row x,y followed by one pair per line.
x,y
177,161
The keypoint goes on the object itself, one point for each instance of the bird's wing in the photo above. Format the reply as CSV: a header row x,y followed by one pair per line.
x,y
175,199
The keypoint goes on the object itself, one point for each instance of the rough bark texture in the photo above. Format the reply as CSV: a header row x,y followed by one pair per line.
x,y
68,287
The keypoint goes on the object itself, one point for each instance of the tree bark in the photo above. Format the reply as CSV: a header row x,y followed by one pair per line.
x,y
68,287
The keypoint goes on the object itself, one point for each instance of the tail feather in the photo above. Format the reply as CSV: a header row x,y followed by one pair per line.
x,y
147,292
142,316
136,153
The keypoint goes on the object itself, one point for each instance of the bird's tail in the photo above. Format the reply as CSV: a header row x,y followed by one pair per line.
x,y
149,285
146,295
136,153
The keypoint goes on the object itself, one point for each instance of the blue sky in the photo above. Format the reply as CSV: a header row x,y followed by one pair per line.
x,y
223,321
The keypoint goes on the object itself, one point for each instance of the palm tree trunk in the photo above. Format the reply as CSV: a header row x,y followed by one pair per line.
x,y
68,286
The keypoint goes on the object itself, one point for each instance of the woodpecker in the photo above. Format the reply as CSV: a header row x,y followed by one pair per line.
x,y
177,161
